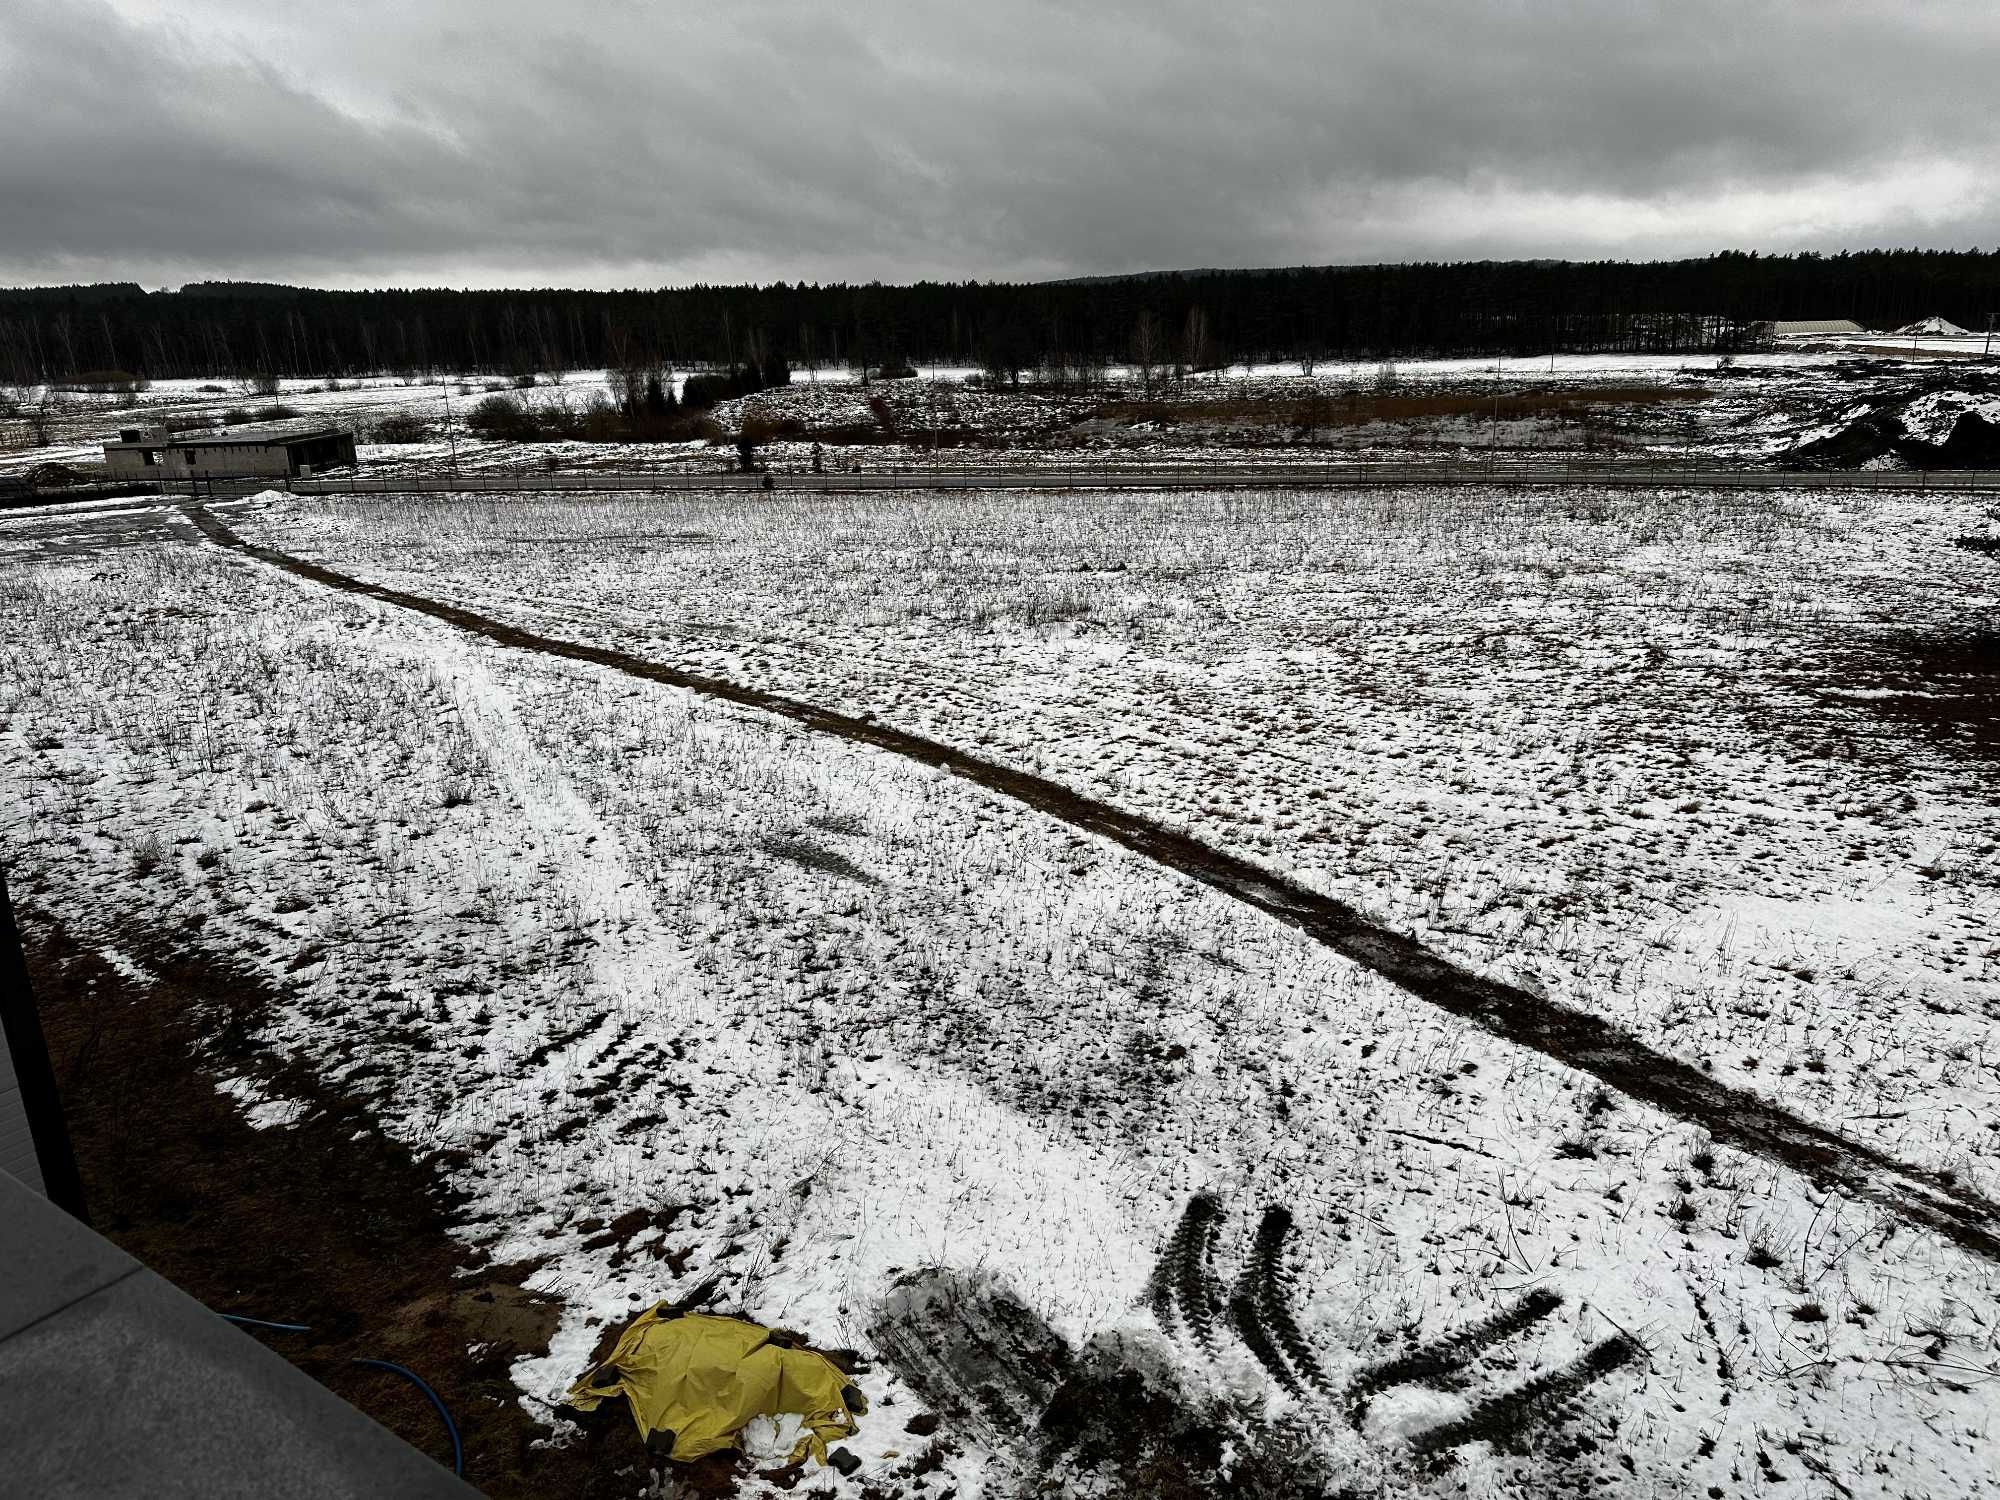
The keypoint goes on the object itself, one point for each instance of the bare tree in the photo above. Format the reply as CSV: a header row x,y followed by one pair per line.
x,y
625,369
37,407
1197,344
61,325
1147,348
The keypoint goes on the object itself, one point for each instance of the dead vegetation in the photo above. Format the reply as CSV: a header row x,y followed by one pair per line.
x,y
1355,408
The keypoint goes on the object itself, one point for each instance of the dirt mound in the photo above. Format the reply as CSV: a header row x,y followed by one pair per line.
x,y
1934,424
1933,327
53,476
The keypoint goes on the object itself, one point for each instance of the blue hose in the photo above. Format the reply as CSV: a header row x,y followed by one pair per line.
x,y
457,1447
260,1323
457,1450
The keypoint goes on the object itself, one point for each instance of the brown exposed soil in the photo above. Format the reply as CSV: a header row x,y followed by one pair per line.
x,y
1354,408
1945,685
324,1222
1732,1116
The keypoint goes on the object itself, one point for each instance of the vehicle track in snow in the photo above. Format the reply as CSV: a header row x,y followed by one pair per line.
x,y
1185,1294
1443,1362
1504,1420
1733,1116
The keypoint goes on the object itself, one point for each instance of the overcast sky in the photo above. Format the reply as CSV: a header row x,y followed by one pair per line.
x,y
629,142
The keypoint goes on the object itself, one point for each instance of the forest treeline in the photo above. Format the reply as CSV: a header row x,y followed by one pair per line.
x,y
1192,319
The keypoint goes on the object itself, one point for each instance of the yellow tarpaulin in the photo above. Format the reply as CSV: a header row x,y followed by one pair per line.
x,y
703,1378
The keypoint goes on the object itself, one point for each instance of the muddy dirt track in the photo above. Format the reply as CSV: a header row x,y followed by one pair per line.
x,y
1734,1117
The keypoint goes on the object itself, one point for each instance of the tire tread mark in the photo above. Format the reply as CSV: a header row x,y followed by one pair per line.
x,y
1182,1289
1503,1419
1270,1285
1249,1326
1442,1360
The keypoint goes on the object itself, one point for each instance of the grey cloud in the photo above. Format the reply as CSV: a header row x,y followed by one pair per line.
x,y
625,143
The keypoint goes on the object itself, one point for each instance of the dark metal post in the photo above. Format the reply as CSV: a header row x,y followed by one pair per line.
x,y
29,1050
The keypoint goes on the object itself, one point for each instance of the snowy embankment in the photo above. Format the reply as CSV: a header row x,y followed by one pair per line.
x,y
823,1017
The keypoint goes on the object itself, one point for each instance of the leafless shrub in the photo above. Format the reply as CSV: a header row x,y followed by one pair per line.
x,y
148,853
401,427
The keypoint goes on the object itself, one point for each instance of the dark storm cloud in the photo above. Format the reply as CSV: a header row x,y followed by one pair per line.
x,y
620,142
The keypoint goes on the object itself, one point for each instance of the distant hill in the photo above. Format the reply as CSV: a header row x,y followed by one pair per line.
x,y
249,290
1118,276
118,291
1196,272
1188,319
104,291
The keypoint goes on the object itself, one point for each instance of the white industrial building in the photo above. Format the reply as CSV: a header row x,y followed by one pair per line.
x,y
274,451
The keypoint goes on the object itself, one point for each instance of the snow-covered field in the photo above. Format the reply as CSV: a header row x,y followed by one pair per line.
x,y
1699,764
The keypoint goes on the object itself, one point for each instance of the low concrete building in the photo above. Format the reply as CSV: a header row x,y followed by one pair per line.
x,y
279,451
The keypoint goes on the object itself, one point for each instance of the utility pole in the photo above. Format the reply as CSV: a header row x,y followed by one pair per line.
x,y
1493,433
450,433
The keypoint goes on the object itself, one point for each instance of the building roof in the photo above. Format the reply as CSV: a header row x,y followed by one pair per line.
x,y
34,1141
115,1383
118,1384
1816,325
261,434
